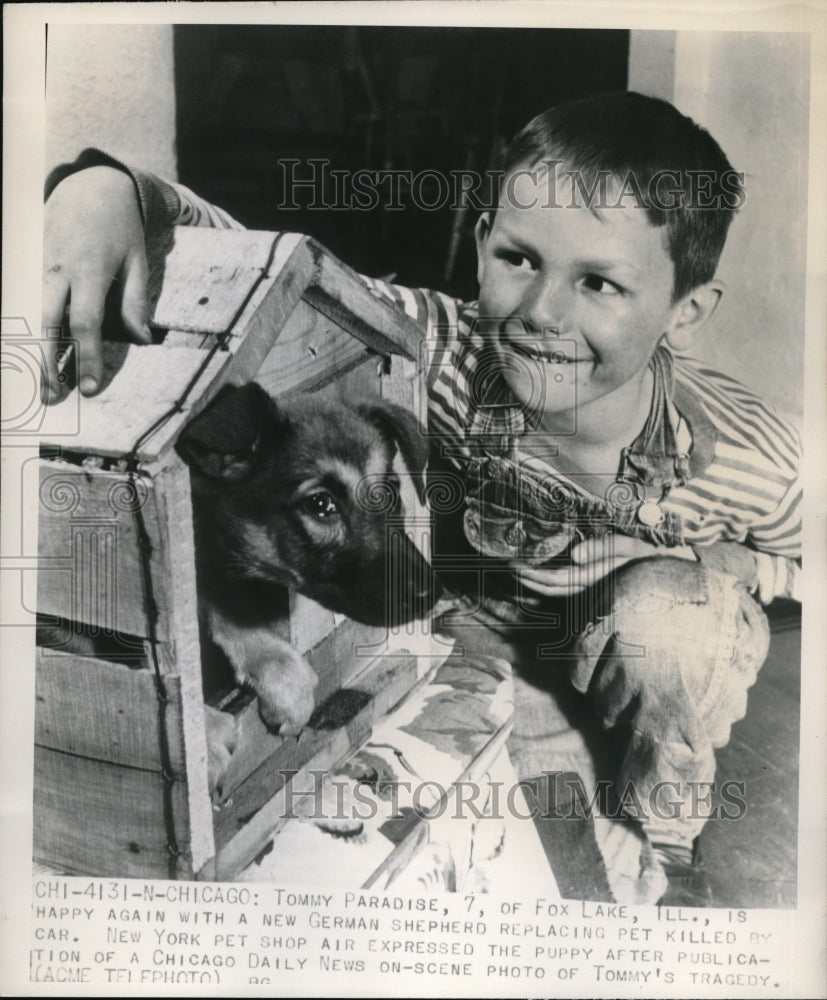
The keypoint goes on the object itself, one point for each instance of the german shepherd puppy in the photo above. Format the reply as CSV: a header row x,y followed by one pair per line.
x,y
291,494
298,494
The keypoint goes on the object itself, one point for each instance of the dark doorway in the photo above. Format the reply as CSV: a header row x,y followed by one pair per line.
x,y
409,100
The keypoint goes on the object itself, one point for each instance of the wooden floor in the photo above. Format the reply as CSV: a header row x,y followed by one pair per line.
x,y
752,861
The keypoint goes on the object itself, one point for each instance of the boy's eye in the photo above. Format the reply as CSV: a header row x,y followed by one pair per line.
x,y
517,259
596,283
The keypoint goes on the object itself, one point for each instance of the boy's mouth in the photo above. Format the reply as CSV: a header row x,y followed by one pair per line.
x,y
545,353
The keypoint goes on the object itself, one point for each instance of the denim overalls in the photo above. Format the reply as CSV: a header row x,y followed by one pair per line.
x,y
664,649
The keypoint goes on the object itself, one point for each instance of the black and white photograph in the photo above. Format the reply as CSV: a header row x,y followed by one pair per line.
x,y
413,526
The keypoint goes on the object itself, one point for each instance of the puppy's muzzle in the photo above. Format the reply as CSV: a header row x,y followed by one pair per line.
x,y
413,589
391,588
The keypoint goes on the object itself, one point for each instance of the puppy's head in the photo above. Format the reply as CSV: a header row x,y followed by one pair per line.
x,y
309,493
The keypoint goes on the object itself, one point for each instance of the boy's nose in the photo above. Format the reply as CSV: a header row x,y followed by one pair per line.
x,y
542,308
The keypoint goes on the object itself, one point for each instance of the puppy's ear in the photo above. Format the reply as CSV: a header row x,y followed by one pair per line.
x,y
225,441
401,426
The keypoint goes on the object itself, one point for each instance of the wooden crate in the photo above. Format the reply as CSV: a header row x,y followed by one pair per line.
x,y
120,756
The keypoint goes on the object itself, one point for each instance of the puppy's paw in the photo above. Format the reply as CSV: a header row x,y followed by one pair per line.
x,y
221,742
286,692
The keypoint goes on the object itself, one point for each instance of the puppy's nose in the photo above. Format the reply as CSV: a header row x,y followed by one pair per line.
x,y
419,588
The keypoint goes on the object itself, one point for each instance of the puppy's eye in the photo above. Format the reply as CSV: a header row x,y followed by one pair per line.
x,y
320,505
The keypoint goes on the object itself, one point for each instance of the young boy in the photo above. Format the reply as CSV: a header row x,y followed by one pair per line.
x,y
618,505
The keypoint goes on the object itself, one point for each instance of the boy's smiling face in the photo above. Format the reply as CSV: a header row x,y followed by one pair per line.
x,y
575,304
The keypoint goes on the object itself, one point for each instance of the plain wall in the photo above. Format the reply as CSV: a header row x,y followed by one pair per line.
x,y
750,90
111,86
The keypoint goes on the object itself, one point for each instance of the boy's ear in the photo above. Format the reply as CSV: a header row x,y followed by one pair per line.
x,y
691,313
482,231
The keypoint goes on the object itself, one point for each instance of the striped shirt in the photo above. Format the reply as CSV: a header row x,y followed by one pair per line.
x,y
746,489
749,492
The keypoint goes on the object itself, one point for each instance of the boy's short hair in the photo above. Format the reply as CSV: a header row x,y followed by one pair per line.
x,y
670,166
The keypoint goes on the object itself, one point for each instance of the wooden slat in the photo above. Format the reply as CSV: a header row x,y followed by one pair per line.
x,y
90,557
227,266
260,324
363,701
91,563
254,745
309,622
339,294
104,819
310,350
364,379
290,271
180,653
104,711
174,580
149,381
259,805
339,656
400,385
193,341
200,278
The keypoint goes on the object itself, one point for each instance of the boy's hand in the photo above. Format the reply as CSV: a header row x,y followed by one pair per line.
x,y
733,558
591,561
93,236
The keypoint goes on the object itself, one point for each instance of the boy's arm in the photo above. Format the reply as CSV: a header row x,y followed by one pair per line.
x,y
99,214
766,562
162,203
764,574
778,577
767,559
776,539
